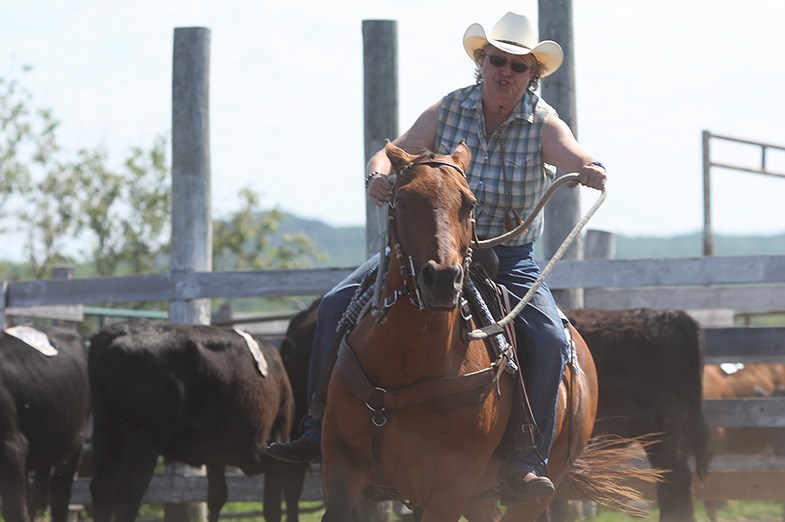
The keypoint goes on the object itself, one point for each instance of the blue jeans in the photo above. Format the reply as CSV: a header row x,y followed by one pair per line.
x,y
543,346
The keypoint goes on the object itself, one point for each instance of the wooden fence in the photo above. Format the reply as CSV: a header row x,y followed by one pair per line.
x,y
744,284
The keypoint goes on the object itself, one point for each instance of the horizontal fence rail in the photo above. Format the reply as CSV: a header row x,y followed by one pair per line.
x,y
753,412
167,287
177,489
590,274
745,345
693,271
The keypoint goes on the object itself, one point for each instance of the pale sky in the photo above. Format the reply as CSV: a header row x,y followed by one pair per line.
x,y
286,86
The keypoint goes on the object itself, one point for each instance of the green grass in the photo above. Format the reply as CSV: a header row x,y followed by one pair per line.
x,y
312,511
732,511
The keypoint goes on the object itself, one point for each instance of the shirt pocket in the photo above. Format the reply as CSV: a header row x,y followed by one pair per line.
x,y
523,161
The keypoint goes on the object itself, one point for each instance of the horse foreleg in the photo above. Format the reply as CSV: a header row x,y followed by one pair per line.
x,y
344,480
484,510
446,507
526,512
340,503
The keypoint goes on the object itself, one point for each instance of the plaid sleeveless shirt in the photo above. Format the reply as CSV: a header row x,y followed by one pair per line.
x,y
461,118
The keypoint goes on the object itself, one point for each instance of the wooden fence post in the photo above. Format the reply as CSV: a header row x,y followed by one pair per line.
x,y
599,245
380,95
708,237
555,23
191,216
3,296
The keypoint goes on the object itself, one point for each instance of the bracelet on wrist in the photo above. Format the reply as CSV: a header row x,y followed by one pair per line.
x,y
597,163
370,175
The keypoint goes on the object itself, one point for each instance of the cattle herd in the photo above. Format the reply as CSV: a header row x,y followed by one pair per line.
x,y
217,397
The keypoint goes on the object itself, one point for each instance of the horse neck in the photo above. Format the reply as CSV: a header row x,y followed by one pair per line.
x,y
422,340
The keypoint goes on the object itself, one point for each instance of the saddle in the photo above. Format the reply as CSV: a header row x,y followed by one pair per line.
x,y
521,429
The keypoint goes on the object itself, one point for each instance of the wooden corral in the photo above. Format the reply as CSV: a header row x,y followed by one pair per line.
x,y
744,283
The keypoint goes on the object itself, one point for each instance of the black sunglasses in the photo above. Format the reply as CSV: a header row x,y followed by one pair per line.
x,y
498,61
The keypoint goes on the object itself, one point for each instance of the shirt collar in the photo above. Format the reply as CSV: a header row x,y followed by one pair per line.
x,y
524,111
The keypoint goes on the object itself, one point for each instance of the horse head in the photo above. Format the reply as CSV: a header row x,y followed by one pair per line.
x,y
431,222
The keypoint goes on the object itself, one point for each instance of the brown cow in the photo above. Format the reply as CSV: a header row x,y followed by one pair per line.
x,y
750,380
649,366
194,394
44,405
735,382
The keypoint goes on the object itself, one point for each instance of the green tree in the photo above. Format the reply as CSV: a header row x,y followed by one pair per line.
x,y
77,209
26,138
244,240
125,212
34,196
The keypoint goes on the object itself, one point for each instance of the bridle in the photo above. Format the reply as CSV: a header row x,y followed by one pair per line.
x,y
407,263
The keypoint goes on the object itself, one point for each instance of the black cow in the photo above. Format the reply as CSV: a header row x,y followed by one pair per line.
x,y
296,349
44,406
649,367
191,393
296,354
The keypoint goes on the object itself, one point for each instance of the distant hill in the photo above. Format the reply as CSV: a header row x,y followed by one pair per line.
x,y
691,245
345,246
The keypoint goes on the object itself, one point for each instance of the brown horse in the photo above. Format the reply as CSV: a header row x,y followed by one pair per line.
x,y
414,406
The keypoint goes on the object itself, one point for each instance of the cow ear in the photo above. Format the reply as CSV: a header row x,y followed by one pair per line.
x,y
397,156
462,156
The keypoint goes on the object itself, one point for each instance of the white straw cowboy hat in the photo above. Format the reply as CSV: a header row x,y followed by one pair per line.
x,y
515,34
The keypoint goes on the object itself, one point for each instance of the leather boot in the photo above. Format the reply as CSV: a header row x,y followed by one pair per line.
x,y
525,486
298,451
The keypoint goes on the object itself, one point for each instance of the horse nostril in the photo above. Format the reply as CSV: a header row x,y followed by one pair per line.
x,y
429,274
458,278
433,275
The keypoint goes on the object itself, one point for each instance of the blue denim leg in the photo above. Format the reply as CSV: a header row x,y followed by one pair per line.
x,y
331,309
542,349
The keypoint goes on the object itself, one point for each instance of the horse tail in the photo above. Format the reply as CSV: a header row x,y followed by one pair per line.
x,y
611,472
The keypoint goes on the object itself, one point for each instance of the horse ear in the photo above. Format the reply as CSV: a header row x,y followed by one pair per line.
x,y
462,155
398,157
